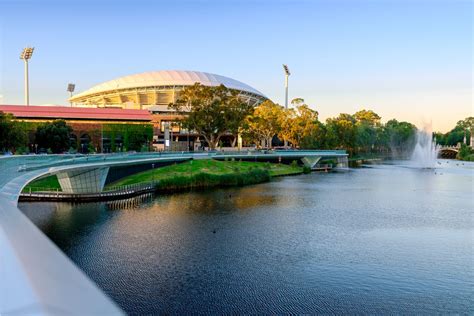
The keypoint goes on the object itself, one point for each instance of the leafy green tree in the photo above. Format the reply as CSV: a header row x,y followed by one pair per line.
x,y
211,111
11,133
399,137
54,135
297,102
367,117
316,139
366,137
341,132
299,124
264,123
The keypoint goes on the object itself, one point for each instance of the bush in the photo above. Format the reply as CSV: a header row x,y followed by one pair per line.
x,y
22,150
465,153
469,158
306,169
207,180
294,164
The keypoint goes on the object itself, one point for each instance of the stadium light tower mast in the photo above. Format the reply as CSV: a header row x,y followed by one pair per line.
x,y
26,55
287,74
70,88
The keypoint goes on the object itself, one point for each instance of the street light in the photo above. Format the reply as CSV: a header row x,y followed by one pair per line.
x,y
26,55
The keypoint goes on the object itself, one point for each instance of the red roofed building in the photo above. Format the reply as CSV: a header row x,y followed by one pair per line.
x,y
76,113
97,129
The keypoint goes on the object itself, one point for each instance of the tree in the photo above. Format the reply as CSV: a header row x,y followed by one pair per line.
x,y
367,124
299,124
211,111
11,134
367,117
264,123
297,101
341,132
399,137
54,135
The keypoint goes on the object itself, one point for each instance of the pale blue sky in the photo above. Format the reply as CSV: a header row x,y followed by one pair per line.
x,y
411,60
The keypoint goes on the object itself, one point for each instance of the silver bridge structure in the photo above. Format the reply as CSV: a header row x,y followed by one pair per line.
x,y
36,277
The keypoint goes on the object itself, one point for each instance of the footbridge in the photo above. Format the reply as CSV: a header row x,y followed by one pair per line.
x,y
35,276
448,152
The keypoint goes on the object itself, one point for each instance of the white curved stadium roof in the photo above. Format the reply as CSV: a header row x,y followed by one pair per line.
x,y
168,78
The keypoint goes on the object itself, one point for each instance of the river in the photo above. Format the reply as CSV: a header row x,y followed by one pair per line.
x,y
384,238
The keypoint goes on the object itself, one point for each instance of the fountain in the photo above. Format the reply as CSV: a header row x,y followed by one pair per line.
x,y
426,151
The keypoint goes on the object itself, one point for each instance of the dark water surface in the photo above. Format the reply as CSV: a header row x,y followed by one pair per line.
x,y
380,239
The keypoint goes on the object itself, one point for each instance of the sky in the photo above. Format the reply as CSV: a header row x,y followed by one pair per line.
x,y
406,59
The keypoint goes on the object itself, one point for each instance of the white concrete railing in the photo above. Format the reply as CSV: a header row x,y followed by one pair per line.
x,y
36,278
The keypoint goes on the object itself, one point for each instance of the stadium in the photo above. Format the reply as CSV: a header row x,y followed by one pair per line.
x,y
156,90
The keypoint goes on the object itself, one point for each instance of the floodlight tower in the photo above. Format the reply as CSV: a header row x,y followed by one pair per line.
x,y
26,55
70,88
287,74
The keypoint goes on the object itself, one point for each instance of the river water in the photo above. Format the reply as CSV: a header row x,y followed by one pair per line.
x,y
378,239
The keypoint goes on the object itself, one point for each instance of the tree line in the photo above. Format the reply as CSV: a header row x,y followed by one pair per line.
x,y
215,112
462,131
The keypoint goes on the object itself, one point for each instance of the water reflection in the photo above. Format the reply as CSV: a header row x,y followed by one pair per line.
x,y
373,240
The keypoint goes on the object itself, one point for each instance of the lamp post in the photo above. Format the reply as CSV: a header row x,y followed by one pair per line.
x,y
26,55
287,74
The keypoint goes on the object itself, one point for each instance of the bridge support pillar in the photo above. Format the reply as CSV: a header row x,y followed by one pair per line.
x,y
310,161
342,162
83,181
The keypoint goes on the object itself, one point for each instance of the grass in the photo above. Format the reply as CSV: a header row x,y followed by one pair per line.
x,y
50,183
205,173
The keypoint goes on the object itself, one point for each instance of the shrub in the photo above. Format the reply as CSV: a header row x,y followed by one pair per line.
x,y
207,180
294,164
22,150
306,169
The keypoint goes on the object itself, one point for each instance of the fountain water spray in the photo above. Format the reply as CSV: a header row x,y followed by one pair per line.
x,y
426,151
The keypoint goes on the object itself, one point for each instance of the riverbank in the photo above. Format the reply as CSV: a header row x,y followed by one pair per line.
x,y
191,174
209,173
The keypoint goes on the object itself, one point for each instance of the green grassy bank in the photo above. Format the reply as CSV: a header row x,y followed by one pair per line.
x,y
210,173
50,183
194,174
